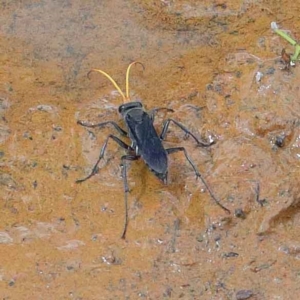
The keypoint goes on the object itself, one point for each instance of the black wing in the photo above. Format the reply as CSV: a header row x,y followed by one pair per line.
x,y
145,138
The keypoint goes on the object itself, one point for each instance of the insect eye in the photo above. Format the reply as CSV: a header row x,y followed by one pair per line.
x,y
121,107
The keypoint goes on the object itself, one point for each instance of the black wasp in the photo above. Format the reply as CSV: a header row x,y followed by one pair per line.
x,y
146,143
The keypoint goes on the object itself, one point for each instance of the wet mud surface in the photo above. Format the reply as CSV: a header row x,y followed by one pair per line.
x,y
218,66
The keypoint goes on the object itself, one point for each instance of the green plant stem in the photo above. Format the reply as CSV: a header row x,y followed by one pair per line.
x,y
286,37
296,53
292,42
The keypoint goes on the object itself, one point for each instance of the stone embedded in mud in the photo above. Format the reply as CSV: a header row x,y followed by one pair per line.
x,y
7,181
4,133
284,207
44,107
279,140
71,245
244,294
239,213
5,238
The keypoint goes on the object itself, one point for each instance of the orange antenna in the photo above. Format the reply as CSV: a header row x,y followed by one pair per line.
x,y
111,80
127,76
125,98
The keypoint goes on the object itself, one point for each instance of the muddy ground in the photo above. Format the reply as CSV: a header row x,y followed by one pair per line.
x,y
217,64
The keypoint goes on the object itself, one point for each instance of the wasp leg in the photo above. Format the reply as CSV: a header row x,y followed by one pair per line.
x,y
95,168
126,188
153,111
114,124
183,128
198,175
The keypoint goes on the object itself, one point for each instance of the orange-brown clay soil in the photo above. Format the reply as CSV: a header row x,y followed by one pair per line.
x,y
217,64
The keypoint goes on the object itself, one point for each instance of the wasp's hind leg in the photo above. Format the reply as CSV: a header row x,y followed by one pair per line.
x,y
126,188
95,168
198,174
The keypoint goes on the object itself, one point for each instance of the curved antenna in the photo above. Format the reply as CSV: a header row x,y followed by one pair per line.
x,y
111,80
127,76
125,98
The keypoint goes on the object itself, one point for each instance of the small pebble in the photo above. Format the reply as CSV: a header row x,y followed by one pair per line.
x,y
279,141
244,294
239,213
